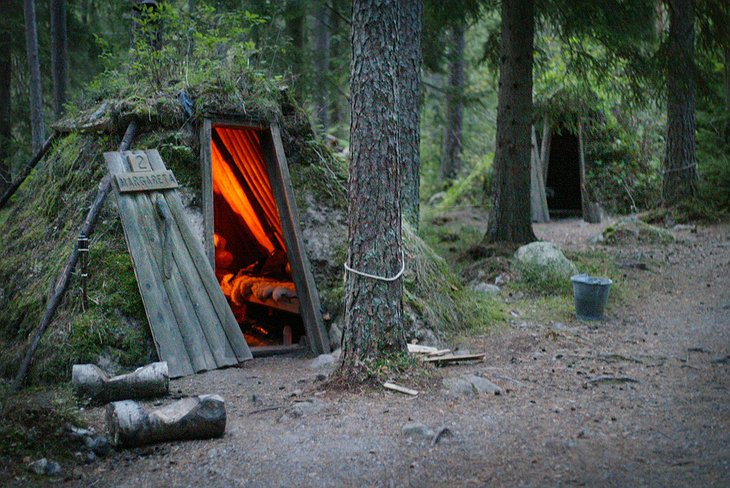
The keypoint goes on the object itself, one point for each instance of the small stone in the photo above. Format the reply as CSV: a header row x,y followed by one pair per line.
x,y
483,385
470,385
39,466
321,377
296,393
310,407
90,457
487,289
322,361
53,469
417,429
213,453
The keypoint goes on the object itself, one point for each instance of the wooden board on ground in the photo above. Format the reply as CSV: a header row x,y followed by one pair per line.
x,y
400,389
452,358
192,325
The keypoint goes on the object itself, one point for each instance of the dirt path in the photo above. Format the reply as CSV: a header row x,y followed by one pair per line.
x,y
548,427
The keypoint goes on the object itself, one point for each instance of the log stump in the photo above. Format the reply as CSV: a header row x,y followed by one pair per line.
x,y
90,381
129,424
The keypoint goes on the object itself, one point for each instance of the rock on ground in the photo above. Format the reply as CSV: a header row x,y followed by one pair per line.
x,y
632,230
487,289
417,429
470,385
545,256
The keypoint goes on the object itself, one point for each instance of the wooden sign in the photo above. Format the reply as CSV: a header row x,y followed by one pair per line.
x,y
145,181
142,176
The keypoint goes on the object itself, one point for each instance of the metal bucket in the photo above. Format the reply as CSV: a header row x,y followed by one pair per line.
x,y
591,296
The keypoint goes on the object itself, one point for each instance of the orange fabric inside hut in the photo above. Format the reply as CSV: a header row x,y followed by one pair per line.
x,y
250,254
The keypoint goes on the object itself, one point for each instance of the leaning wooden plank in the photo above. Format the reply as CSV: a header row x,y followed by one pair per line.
x,y
451,358
230,325
273,150
400,389
163,242
201,417
208,321
26,171
62,282
90,381
169,342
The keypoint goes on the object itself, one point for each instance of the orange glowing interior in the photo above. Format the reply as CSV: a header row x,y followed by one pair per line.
x,y
251,263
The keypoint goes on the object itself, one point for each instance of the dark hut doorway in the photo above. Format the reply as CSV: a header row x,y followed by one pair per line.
x,y
562,186
253,239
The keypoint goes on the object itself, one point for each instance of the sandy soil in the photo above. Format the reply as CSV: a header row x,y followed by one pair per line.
x,y
550,426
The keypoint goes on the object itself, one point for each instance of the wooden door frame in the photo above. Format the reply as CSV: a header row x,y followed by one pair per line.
x,y
278,171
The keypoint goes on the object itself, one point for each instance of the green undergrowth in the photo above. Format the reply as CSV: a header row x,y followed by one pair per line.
x,y
440,298
549,297
32,424
38,230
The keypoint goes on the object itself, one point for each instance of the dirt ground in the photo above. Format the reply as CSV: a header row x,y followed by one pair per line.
x,y
550,426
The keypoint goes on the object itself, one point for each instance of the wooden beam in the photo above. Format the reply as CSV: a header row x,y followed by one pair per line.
x,y
278,169
206,174
26,171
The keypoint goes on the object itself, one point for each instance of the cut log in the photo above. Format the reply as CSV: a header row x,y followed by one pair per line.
x,y
129,424
90,381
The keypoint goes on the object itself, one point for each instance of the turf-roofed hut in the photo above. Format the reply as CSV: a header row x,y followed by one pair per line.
x,y
264,198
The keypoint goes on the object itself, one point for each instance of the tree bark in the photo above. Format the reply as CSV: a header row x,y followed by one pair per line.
x,y
680,167
295,30
373,307
200,417
451,159
322,56
409,116
37,124
6,66
509,218
59,56
90,381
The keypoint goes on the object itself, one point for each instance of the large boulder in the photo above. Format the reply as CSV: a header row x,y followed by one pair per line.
x,y
544,256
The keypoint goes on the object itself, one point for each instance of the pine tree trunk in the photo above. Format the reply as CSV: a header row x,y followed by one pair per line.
x,y
295,30
509,218
6,66
451,159
59,57
374,308
37,124
322,56
680,166
409,117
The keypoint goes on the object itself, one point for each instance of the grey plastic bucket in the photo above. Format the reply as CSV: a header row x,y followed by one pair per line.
x,y
591,296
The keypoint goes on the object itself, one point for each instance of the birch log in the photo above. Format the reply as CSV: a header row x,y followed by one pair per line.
x,y
201,417
90,381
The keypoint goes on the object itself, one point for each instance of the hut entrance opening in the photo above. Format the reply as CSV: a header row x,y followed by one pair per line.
x,y
563,178
251,262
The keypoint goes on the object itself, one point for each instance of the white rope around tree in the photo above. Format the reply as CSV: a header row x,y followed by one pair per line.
x,y
381,278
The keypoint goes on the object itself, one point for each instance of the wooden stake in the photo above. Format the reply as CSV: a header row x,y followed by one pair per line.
x,y
65,277
26,171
